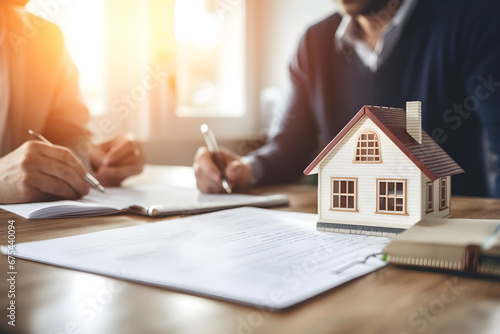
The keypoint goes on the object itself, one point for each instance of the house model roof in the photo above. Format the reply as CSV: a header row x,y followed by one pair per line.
x,y
432,160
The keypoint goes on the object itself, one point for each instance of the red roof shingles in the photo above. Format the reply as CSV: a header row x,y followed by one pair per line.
x,y
432,160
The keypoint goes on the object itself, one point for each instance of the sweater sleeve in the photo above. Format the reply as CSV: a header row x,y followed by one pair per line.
x,y
68,116
481,73
293,134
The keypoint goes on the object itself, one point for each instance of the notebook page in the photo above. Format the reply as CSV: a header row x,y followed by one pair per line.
x,y
163,198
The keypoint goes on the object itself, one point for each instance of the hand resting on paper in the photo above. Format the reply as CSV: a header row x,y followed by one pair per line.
x,y
208,176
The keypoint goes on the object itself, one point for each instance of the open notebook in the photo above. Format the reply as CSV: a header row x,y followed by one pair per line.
x,y
148,200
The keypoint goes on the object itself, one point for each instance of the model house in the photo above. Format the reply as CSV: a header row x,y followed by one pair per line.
x,y
382,173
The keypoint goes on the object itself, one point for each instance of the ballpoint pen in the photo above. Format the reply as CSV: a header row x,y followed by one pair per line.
x,y
92,181
214,149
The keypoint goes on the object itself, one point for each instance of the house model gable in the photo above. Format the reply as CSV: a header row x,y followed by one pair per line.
x,y
382,173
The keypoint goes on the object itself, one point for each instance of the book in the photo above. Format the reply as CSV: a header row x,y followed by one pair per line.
x,y
148,200
468,245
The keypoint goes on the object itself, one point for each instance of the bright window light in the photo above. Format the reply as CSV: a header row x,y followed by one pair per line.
x,y
193,23
82,23
210,71
209,44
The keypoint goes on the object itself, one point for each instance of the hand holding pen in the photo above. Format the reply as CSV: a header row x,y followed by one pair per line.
x,y
37,171
91,181
216,156
218,170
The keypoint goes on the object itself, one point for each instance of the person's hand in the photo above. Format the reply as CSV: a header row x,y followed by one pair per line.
x,y
117,159
37,171
208,176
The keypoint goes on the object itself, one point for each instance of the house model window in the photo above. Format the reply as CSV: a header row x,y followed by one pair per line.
x,y
391,196
443,194
344,194
430,197
367,147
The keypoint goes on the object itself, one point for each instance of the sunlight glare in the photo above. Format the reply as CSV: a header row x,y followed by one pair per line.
x,y
194,23
82,22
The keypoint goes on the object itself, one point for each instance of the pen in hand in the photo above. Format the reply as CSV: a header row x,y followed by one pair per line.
x,y
92,181
214,149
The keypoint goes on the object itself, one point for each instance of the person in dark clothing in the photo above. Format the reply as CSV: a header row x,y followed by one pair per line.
x,y
445,53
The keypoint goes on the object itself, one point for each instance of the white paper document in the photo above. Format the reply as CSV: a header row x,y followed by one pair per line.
x,y
267,258
149,200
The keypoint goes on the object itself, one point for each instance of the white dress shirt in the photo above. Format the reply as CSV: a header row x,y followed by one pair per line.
x,y
346,34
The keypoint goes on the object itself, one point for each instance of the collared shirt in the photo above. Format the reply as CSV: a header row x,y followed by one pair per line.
x,y
4,82
346,34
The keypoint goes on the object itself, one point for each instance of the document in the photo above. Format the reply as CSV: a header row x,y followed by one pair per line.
x,y
150,200
267,258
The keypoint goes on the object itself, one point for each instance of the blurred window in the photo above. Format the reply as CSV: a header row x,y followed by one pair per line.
x,y
210,68
82,22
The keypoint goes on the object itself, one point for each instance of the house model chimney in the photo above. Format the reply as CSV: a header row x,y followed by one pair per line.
x,y
414,120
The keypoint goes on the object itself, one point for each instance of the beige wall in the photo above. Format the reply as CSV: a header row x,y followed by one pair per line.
x,y
283,24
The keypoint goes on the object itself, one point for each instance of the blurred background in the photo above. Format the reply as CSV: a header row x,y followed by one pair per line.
x,y
161,68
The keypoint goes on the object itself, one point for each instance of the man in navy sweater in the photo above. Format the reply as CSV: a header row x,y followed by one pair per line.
x,y
445,53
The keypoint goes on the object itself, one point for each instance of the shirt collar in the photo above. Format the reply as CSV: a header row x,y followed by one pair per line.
x,y
346,31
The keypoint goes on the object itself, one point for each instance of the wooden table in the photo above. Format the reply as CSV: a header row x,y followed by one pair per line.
x,y
51,300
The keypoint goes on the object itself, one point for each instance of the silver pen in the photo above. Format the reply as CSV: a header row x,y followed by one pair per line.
x,y
214,149
92,181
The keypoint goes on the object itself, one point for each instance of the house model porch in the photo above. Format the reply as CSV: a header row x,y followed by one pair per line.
x,y
382,173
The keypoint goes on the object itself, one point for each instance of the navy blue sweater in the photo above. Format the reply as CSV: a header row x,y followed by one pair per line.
x,y
448,57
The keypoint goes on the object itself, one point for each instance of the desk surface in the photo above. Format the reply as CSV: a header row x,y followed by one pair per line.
x,y
391,300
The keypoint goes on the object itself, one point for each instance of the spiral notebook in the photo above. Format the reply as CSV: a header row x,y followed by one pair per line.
x,y
469,245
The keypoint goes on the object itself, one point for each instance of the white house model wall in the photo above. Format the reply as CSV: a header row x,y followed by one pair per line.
x,y
382,174
394,165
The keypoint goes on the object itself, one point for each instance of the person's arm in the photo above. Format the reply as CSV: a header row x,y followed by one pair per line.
x,y
293,138
112,161
481,71
47,79
39,172
293,134
68,117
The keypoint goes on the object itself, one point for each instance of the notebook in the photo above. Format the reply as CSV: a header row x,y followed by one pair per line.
x,y
470,245
149,200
